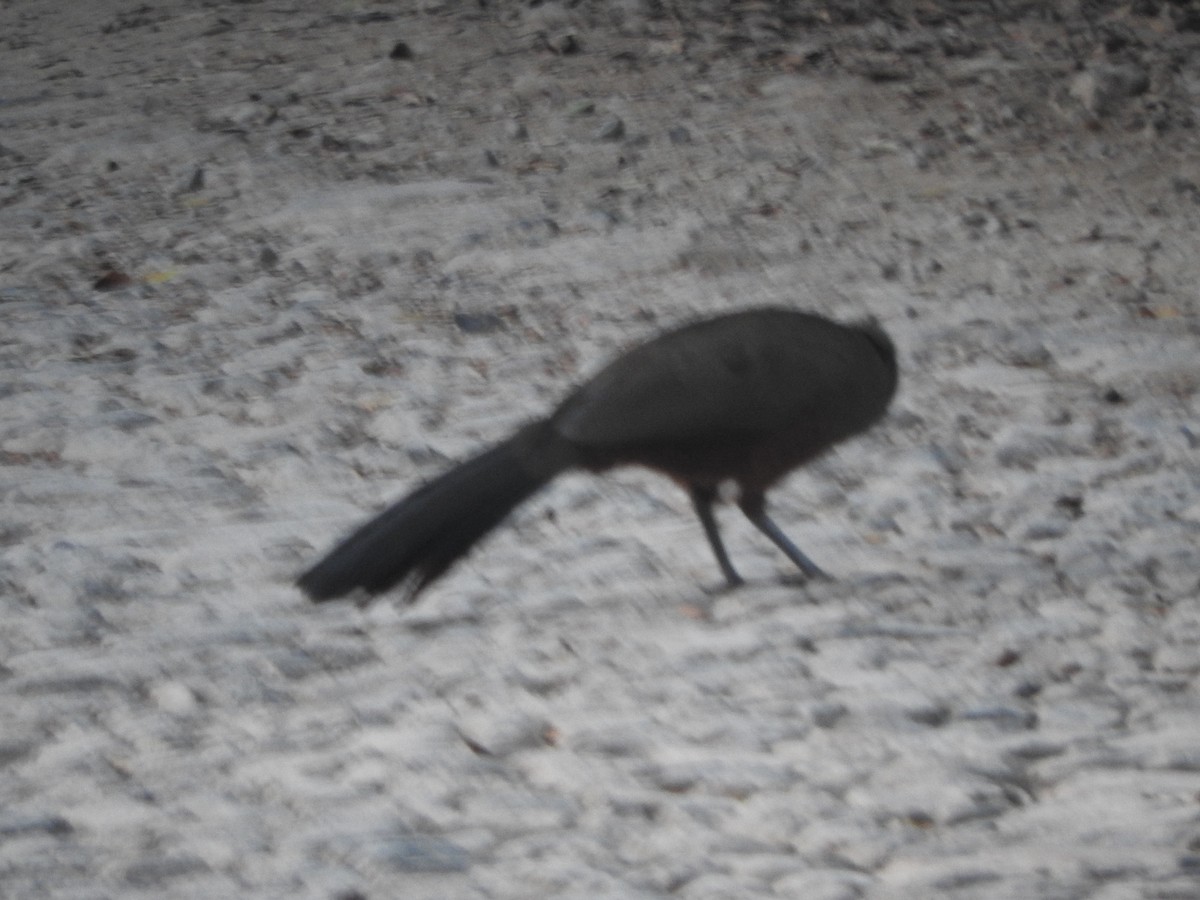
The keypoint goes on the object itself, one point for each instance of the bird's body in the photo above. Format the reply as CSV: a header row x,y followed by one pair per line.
x,y
744,397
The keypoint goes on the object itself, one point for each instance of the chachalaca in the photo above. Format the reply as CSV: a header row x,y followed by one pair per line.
x,y
744,397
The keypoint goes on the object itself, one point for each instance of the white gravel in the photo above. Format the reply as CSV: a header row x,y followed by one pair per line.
x,y
995,700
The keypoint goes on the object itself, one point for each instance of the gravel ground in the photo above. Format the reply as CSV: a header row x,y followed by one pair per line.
x,y
264,266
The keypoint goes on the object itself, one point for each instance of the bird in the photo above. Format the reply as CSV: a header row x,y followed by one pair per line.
x,y
743,397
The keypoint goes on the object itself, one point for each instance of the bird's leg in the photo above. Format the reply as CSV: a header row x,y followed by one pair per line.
x,y
702,500
754,505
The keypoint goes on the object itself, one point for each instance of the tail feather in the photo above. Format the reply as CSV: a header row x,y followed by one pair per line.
x,y
418,538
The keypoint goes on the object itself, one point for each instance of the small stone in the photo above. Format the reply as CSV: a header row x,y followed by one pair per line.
x,y
1007,718
1186,187
23,825
195,183
1036,750
1025,448
129,420
12,751
1045,531
564,44
536,231
1102,89
823,884
612,741
602,219
154,873
935,715
400,50
174,697
1176,658
503,735
1070,505
478,323
827,715
112,280
952,458
423,853
679,135
611,129
1028,353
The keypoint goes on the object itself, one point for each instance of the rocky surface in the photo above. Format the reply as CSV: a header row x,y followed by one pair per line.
x,y
268,265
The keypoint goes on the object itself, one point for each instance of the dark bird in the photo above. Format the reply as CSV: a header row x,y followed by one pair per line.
x,y
745,397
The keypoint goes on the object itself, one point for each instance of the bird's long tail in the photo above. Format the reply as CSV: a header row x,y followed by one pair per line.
x,y
418,538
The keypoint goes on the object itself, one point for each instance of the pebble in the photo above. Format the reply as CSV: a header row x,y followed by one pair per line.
x,y
1036,750
1028,352
679,135
1102,88
504,734
1178,658
1007,718
1026,448
564,43
934,715
612,128
827,715
15,826
157,873
174,697
302,662
1045,531
536,231
824,884
421,853
478,323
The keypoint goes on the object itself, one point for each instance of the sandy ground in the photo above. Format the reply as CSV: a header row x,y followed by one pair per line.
x,y
264,266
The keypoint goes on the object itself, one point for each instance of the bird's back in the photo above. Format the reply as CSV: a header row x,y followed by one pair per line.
x,y
744,377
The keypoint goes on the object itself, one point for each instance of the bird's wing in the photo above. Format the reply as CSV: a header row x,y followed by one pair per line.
x,y
706,382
